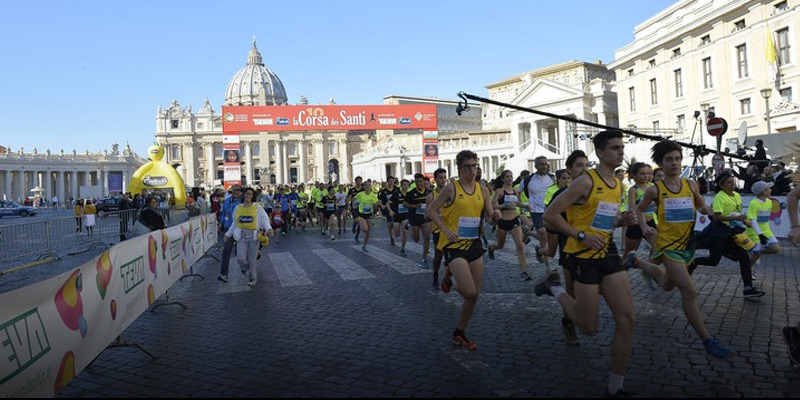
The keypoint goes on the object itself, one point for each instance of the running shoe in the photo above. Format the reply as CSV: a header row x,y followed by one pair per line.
x,y
753,293
651,283
251,282
461,340
222,278
435,283
570,335
283,233
423,264
716,349
391,241
491,253
631,261
544,286
525,277
364,249
447,282
402,252
538,255
322,233
333,237
621,394
792,339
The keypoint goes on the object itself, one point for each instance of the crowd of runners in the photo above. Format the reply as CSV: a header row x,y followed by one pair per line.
x,y
572,216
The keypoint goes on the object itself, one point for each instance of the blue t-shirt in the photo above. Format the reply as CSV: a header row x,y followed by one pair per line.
x,y
294,198
284,200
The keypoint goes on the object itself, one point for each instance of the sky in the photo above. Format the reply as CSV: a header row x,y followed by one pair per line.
x,y
83,74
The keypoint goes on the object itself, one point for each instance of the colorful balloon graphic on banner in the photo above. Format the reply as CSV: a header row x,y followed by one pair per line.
x,y
169,268
183,265
183,245
113,310
66,372
164,244
151,295
69,305
104,269
151,254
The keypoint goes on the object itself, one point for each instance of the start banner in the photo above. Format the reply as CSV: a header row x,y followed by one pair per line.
x,y
317,118
52,330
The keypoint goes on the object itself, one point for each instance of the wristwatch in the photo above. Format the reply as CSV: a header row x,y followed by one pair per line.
x,y
581,236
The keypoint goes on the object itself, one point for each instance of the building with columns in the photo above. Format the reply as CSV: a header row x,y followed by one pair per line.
x,y
69,175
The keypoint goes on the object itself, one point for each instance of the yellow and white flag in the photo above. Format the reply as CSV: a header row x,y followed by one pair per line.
x,y
772,58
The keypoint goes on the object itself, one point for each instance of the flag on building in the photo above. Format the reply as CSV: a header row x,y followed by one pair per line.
x,y
772,58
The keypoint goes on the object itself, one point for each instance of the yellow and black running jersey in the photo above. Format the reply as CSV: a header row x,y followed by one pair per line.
x,y
676,216
462,217
597,216
329,203
417,198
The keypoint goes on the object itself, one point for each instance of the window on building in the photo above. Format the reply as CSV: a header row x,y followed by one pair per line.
x,y
292,149
630,72
632,95
780,7
652,63
705,40
741,60
176,152
678,83
656,126
653,92
786,95
739,25
218,150
256,149
744,106
199,125
271,151
676,52
681,122
174,123
331,147
708,83
783,47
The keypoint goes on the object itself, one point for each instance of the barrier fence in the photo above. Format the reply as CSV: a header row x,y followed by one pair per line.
x,y
71,234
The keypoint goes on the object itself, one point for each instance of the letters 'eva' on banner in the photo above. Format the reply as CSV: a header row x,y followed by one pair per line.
x,y
52,330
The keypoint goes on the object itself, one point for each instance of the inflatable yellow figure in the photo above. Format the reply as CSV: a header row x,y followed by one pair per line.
x,y
157,174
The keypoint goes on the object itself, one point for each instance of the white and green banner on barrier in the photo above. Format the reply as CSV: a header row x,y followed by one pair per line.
x,y
52,330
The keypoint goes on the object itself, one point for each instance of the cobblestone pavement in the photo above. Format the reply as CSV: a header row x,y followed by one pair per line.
x,y
328,320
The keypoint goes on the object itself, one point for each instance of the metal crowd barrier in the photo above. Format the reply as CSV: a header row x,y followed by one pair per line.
x,y
25,240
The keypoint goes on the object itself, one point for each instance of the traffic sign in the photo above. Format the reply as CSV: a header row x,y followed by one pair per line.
x,y
717,126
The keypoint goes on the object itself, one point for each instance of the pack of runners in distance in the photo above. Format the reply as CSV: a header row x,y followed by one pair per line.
x,y
574,215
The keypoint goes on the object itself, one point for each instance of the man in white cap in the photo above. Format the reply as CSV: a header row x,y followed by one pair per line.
x,y
760,211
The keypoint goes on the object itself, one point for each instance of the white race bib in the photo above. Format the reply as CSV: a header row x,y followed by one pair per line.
x,y
763,216
278,218
510,198
367,209
421,209
329,207
679,210
469,228
401,209
605,216
294,202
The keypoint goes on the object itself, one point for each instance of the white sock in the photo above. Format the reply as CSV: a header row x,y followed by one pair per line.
x,y
557,291
615,383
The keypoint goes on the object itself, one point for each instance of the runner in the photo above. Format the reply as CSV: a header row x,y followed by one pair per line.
x,y
282,203
535,186
592,206
226,216
320,211
351,196
385,196
248,218
400,215
576,166
760,210
791,335
302,206
329,209
294,199
677,201
367,201
506,199
642,176
461,205
440,176
416,203
341,207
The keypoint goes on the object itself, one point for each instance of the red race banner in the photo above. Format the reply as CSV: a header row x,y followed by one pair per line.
x,y
317,118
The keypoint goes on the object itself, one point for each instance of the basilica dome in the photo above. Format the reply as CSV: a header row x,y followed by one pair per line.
x,y
255,84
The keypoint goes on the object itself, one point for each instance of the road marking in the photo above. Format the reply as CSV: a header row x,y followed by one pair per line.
x,y
288,270
346,268
397,263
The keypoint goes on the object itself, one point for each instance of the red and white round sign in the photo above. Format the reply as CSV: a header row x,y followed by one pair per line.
x,y
716,126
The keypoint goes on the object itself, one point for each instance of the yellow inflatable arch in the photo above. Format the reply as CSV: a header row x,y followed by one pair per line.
x,y
157,174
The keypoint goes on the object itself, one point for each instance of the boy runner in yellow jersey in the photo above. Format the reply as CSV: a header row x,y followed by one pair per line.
x,y
677,201
457,212
440,176
759,211
592,204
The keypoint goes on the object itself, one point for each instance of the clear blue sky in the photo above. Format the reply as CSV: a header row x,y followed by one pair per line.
x,y
81,74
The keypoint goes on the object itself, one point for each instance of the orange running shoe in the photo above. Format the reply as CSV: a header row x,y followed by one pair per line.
x,y
460,340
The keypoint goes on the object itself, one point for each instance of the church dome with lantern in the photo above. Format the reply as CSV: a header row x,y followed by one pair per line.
x,y
255,84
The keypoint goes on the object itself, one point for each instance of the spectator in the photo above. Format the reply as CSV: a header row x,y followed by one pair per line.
x,y
149,219
782,179
89,212
760,157
54,202
78,217
124,206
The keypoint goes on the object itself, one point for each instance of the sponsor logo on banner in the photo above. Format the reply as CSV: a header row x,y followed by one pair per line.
x,y
132,274
431,166
228,117
418,116
263,121
430,134
405,121
387,121
155,180
233,173
230,139
23,341
283,121
175,249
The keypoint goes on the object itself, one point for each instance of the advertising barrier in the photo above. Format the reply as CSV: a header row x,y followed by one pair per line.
x,y
52,330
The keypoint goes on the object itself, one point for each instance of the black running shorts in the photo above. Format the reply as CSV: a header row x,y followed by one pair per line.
x,y
474,252
508,225
635,232
591,271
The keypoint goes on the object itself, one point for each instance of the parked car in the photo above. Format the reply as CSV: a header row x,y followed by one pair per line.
x,y
108,204
10,209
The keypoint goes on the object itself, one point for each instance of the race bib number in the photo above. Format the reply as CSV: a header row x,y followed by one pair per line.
x,y
329,207
401,209
421,209
468,228
605,216
356,204
650,210
510,198
278,218
763,216
367,209
294,203
678,210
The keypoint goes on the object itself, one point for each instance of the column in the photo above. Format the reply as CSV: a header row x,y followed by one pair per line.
x,y
73,180
344,162
265,161
60,187
248,163
125,177
301,171
104,182
20,185
211,165
280,161
47,185
322,164
188,160
7,190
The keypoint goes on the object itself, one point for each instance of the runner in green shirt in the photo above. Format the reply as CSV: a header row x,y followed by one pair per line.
x,y
367,201
759,212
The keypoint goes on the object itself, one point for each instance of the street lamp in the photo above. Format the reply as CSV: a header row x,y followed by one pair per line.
x,y
766,94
